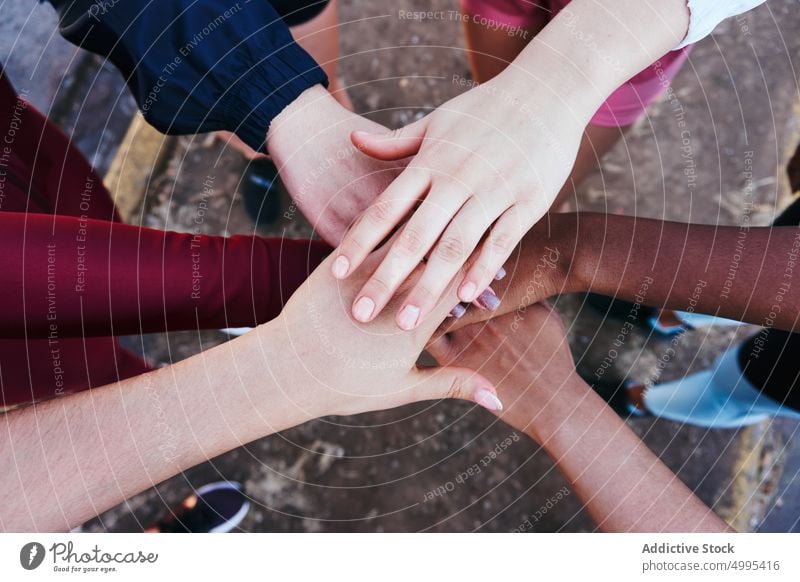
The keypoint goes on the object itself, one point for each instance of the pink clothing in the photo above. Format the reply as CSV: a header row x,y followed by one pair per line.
x,y
625,105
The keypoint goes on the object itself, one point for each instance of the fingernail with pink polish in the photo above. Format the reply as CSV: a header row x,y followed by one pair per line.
x,y
363,309
458,311
488,299
467,292
500,274
340,266
408,317
488,400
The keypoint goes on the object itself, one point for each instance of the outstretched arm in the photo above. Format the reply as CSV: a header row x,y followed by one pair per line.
x,y
623,485
740,273
116,279
197,66
744,274
70,458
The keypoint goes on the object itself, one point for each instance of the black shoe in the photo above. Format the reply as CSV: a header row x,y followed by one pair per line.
x,y
214,508
262,191
619,308
643,315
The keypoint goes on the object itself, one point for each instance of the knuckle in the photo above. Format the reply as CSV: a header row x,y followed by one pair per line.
x,y
377,287
380,212
529,208
352,245
502,242
456,388
411,242
451,249
422,295
480,271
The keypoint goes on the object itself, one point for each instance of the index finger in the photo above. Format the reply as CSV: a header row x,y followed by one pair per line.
x,y
377,221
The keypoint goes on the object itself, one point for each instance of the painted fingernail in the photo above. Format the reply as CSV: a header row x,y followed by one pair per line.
x,y
500,274
458,311
488,299
488,400
363,309
468,291
340,266
408,316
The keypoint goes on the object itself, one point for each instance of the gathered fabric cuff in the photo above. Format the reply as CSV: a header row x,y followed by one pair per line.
x,y
705,15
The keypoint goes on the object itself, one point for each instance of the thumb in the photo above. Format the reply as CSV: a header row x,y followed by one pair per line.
x,y
393,145
453,382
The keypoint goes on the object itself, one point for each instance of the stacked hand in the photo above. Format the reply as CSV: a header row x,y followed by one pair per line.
x,y
331,364
486,167
528,358
329,179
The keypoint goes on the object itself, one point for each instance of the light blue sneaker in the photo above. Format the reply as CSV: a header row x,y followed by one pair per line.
x,y
721,397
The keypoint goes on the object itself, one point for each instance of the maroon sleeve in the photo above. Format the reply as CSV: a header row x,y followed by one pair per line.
x,y
78,277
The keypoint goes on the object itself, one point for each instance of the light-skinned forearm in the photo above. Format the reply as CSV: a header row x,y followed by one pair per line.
x,y
593,46
744,274
68,459
623,485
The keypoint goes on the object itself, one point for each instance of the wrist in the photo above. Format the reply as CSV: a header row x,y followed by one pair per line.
x,y
541,76
574,230
573,56
283,396
297,121
552,253
561,416
564,229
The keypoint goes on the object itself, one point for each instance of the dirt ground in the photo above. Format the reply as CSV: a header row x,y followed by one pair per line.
x,y
739,96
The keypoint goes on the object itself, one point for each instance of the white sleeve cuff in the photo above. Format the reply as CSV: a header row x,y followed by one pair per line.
x,y
705,15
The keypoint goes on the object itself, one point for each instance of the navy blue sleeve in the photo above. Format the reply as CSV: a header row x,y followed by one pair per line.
x,y
197,65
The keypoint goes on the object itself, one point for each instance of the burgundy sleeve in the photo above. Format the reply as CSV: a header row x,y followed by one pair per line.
x,y
82,277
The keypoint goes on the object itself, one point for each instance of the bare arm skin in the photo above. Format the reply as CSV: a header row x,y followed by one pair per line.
x,y
71,458
602,44
68,459
623,485
746,274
